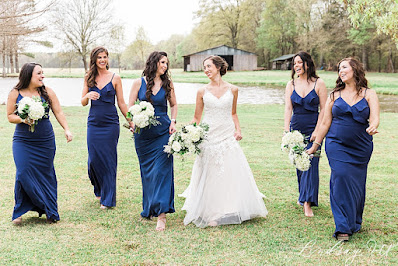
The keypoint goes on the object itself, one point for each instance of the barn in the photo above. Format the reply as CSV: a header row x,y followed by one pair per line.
x,y
283,62
237,59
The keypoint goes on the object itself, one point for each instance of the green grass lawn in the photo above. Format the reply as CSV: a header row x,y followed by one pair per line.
x,y
384,83
88,235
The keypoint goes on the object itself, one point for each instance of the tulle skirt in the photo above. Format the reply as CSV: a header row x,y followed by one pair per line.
x,y
222,188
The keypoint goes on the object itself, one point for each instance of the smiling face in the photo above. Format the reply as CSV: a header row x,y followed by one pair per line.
x,y
299,66
102,60
37,77
346,73
163,64
210,69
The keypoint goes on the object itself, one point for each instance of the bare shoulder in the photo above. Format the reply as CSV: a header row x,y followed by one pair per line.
x,y
370,93
117,78
137,83
320,82
13,94
50,91
234,89
201,91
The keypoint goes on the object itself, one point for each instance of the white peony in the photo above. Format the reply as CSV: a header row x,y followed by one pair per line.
x,y
36,111
303,162
167,148
135,109
176,146
24,101
141,120
149,112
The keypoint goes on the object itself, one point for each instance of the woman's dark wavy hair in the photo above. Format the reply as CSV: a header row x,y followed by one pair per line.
x,y
307,60
25,75
93,71
219,62
359,76
151,67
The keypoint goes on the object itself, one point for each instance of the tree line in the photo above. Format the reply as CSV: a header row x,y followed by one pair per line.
x,y
328,29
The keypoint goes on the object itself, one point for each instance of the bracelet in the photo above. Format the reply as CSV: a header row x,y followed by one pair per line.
x,y
173,120
317,143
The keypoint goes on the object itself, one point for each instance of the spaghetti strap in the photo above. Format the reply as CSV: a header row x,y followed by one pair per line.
x,y
294,87
112,77
364,94
315,83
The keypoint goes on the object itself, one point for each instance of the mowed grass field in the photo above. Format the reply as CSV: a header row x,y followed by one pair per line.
x,y
88,235
383,83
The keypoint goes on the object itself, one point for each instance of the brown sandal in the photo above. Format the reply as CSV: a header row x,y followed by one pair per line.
x,y
343,237
161,224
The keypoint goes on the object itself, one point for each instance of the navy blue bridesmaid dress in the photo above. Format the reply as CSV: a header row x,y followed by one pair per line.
x,y
36,182
304,119
156,166
348,147
102,138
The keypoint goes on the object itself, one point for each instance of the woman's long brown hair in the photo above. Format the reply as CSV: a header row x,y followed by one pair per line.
x,y
93,71
151,67
25,75
359,76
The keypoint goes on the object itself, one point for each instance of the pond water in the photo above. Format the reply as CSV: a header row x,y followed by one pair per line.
x,y
69,90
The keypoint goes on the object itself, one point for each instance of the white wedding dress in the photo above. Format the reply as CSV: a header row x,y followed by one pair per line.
x,y
222,188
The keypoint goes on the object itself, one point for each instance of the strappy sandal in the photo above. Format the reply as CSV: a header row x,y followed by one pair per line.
x,y
161,224
343,237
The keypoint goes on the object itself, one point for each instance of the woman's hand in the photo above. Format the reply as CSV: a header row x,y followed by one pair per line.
x,y
27,121
312,150
313,136
68,136
131,124
172,127
238,135
92,95
371,130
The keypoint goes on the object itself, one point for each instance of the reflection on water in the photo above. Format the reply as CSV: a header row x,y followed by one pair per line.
x,y
69,92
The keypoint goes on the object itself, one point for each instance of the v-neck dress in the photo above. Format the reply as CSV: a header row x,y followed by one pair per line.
x,y
102,138
36,181
348,147
156,166
304,119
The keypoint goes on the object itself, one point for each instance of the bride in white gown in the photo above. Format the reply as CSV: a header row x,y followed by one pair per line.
x,y
222,188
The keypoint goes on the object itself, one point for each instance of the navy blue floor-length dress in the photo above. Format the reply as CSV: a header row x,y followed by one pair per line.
x,y
36,182
304,119
348,147
156,166
102,138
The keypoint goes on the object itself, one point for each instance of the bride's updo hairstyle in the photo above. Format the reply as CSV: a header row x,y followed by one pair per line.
x,y
219,62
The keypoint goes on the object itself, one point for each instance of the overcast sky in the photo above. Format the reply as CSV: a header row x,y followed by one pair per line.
x,y
160,18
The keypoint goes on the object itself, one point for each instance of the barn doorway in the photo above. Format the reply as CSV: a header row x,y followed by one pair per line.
x,y
230,60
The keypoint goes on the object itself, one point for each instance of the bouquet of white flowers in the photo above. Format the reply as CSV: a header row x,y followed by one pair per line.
x,y
32,109
143,115
187,140
294,144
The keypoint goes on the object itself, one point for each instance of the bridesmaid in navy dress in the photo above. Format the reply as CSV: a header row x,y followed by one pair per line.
x,y
305,96
351,119
36,182
101,86
156,166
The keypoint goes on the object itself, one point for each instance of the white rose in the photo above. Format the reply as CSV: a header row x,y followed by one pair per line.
x,y
135,109
176,146
167,149
36,111
24,101
140,121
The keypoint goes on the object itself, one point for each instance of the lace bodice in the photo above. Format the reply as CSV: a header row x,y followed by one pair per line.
x,y
218,115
